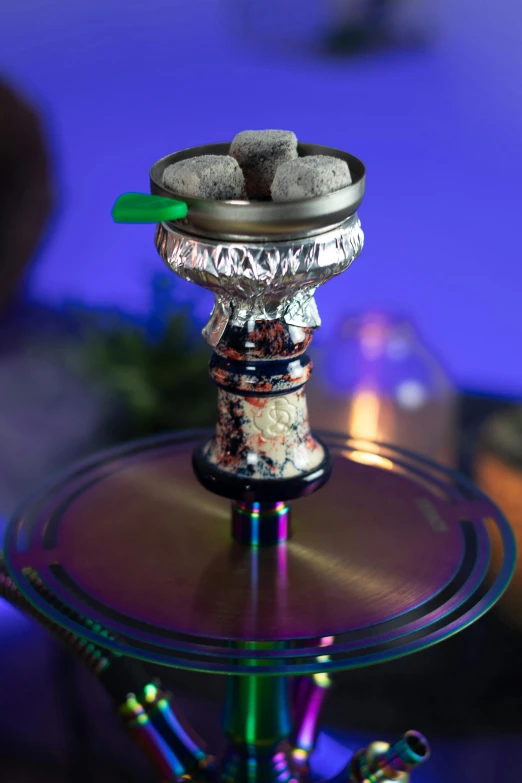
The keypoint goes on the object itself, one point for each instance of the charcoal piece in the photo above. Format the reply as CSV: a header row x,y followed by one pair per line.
x,y
212,177
260,153
313,175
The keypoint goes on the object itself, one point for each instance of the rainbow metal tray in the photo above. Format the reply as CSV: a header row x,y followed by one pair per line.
x,y
391,556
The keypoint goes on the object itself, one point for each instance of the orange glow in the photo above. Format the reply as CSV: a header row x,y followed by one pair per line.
x,y
370,459
363,420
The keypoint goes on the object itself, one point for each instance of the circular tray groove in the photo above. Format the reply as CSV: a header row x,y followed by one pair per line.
x,y
391,556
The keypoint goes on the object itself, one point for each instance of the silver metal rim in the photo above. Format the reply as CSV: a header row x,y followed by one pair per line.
x,y
263,221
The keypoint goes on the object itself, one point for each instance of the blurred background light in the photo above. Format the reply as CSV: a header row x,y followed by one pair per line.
x,y
122,83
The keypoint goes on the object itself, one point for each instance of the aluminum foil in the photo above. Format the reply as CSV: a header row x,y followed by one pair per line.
x,y
261,281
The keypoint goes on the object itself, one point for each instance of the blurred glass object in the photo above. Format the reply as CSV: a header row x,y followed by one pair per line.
x,y
375,379
498,472
368,24
337,26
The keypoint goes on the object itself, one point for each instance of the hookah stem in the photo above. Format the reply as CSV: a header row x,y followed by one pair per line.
x,y
261,524
257,721
264,524
257,707
257,716
147,711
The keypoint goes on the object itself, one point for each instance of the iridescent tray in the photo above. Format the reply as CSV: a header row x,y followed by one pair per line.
x,y
391,556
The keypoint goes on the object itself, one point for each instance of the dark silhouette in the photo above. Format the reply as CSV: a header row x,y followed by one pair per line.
x,y
26,194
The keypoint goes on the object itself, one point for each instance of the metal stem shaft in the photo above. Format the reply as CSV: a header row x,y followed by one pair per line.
x,y
257,721
261,524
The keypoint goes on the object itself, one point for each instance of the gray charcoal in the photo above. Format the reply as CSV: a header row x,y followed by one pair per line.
x,y
212,177
260,153
313,175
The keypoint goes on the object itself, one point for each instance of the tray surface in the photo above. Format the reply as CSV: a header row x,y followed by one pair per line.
x,y
391,556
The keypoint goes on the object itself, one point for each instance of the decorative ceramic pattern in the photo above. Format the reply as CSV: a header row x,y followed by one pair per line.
x,y
264,437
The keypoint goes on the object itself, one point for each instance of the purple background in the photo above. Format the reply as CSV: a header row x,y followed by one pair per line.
x,y
123,82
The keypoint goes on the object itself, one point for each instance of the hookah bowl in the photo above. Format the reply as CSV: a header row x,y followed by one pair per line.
x,y
308,555
263,273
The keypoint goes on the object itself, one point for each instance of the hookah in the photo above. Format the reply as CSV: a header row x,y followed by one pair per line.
x,y
260,550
